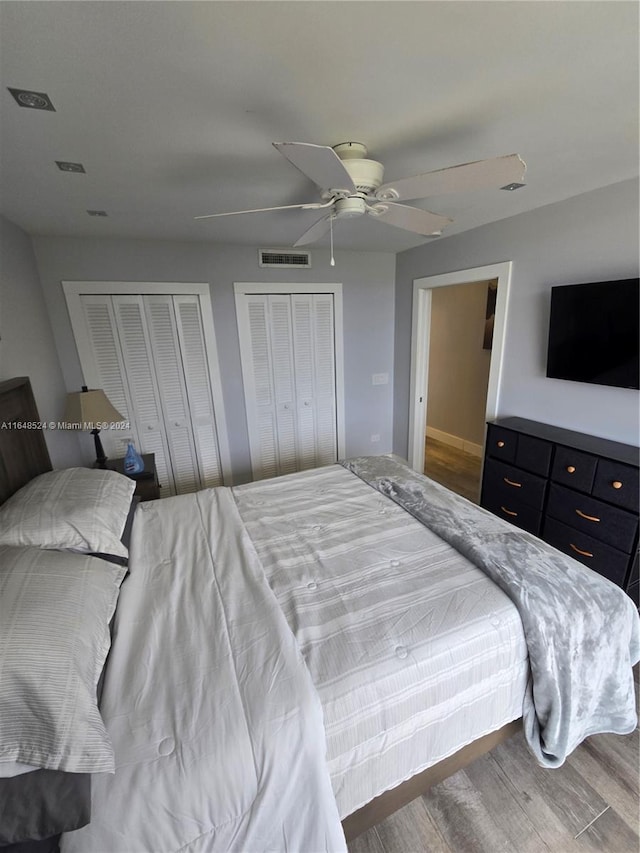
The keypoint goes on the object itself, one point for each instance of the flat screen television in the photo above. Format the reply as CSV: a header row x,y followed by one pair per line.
x,y
594,333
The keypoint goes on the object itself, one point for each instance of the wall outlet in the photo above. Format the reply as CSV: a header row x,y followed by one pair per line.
x,y
379,378
375,437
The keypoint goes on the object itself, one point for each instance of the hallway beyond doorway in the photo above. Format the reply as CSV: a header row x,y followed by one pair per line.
x,y
453,468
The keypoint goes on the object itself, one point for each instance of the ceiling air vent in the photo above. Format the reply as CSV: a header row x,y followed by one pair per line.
x,y
283,258
32,100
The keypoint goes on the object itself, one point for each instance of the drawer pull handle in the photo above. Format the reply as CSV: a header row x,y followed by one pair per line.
x,y
616,484
511,483
501,444
508,511
578,551
588,517
571,469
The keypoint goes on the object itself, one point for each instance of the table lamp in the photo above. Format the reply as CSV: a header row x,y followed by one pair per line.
x,y
87,408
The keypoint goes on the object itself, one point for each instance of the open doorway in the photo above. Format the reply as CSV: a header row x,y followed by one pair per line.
x,y
460,340
421,345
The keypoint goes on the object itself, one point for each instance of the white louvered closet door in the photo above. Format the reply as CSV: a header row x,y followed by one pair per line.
x,y
143,388
259,389
315,370
288,360
149,355
198,385
167,364
109,369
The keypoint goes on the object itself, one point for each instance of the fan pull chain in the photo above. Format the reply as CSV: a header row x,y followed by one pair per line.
x,y
333,260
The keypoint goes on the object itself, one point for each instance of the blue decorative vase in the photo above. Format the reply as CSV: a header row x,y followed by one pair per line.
x,y
133,463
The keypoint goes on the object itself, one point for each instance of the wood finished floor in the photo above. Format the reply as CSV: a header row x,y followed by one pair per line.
x,y
454,468
505,802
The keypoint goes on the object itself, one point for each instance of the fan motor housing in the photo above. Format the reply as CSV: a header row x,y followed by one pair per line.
x,y
348,208
365,174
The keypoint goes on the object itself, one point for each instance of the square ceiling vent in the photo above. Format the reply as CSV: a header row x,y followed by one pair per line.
x,y
32,100
283,258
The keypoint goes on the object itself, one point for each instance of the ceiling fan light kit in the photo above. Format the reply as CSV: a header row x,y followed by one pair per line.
x,y
347,208
350,185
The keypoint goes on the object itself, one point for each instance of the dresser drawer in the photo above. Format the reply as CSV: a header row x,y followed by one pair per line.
x,y
503,483
597,519
534,454
574,468
617,483
515,511
501,443
604,559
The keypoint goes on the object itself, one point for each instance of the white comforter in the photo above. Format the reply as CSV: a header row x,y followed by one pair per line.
x,y
215,723
413,650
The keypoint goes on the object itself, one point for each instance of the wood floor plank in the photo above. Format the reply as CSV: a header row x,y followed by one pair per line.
x,y
457,808
611,764
368,842
557,800
609,834
412,829
501,802
459,471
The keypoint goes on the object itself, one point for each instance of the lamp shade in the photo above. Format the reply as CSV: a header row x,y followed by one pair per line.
x,y
90,410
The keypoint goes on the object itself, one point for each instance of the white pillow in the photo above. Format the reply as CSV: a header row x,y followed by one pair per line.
x,y
82,509
55,610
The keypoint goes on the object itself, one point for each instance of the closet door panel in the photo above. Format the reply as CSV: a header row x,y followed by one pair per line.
x,y
324,378
303,350
165,349
259,388
283,382
198,386
108,371
145,397
288,360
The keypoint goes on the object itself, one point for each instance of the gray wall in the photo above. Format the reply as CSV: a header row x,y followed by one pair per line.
x,y
591,237
27,347
368,299
458,365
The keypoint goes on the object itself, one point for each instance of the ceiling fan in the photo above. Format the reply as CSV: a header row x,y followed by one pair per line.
x,y
351,185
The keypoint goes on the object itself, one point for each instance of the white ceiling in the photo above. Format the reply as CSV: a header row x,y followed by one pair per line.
x,y
172,108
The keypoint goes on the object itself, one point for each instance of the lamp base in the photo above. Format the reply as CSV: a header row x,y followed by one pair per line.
x,y
101,457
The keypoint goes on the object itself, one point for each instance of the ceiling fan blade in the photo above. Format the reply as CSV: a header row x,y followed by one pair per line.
x,y
312,206
318,162
410,218
497,172
317,230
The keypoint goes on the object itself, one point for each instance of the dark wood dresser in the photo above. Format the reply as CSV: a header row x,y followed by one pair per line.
x,y
578,492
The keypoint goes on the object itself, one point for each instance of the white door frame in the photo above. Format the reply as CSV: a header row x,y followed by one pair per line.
x,y
243,287
74,289
420,332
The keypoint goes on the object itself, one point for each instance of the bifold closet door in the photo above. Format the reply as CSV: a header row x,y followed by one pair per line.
x,y
167,366
315,373
198,386
108,367
149,353
288,362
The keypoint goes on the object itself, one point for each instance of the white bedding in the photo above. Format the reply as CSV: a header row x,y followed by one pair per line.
x,y
413,653
216,728
413,650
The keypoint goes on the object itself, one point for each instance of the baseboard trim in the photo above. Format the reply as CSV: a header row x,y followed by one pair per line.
x,y
455,441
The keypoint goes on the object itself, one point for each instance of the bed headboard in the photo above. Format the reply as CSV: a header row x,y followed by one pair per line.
x,y
23,452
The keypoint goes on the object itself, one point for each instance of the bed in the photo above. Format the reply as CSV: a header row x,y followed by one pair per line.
x,y
291,660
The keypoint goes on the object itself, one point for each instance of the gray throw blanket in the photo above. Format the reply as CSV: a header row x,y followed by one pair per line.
x,y
582,631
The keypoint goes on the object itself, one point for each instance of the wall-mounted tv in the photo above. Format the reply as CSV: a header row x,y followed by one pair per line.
x,y
594,333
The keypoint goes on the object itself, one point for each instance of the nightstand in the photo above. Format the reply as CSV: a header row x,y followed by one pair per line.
x,y
147,486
